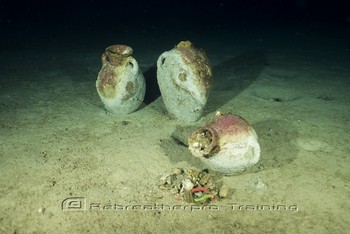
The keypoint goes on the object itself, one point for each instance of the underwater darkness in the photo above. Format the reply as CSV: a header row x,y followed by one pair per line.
x,y
24,23
50,27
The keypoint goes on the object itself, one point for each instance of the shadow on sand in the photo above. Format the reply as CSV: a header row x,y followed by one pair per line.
x,y
233,76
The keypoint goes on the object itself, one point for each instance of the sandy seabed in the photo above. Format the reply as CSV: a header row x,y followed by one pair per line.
x,y
69,166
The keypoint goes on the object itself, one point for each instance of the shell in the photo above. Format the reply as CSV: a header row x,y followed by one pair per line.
x,y
183,181
177,171
224,191
166,182
205,178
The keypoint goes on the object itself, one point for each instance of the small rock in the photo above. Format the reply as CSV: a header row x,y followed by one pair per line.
x,y
41,210
224,191
125,122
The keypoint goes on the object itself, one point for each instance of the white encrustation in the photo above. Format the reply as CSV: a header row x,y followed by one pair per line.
x,y
184,78
227,145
